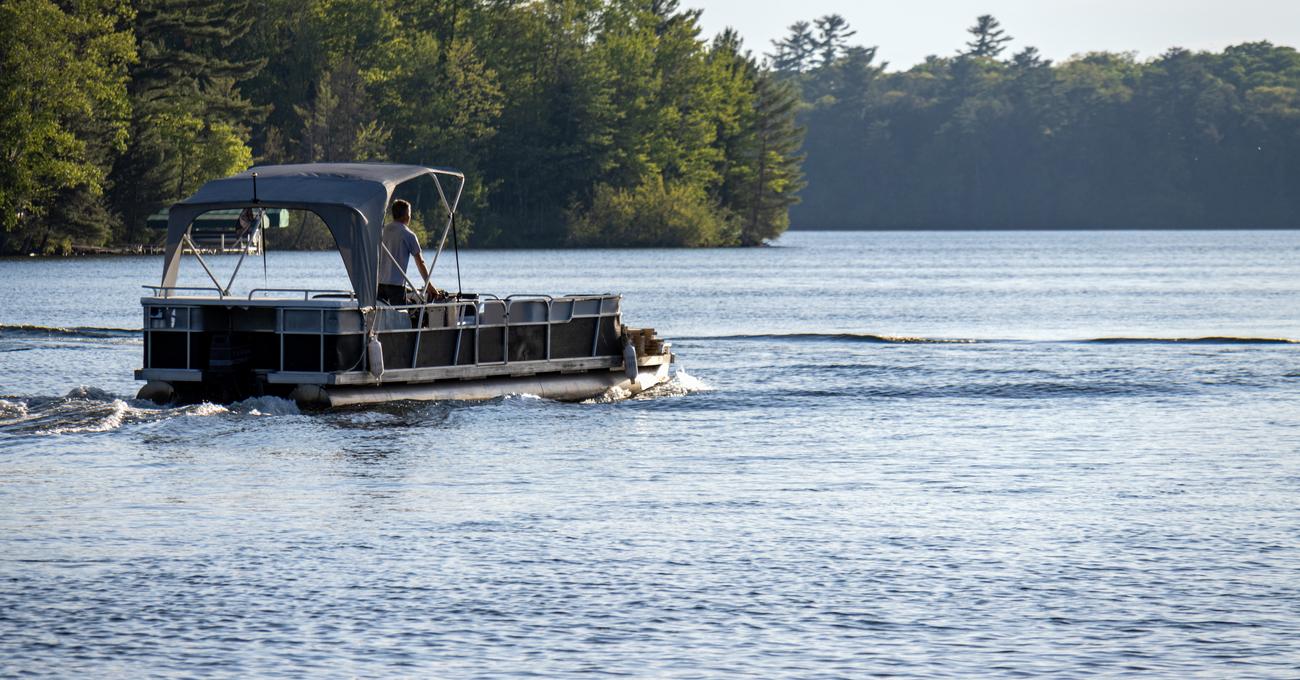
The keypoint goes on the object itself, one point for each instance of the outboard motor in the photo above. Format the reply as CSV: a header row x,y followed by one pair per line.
x,y
230,367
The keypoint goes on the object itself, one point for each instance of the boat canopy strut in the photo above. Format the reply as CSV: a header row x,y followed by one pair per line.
x,y
351,198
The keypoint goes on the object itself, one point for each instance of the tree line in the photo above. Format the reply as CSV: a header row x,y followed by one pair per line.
x,y
991,137
578,122
616,123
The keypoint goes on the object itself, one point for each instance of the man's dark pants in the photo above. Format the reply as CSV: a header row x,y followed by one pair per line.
x,y
393,295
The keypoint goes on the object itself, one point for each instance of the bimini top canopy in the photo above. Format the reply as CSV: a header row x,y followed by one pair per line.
x,y
350,197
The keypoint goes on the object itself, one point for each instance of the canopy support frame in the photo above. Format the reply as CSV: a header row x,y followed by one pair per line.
x,y
350,198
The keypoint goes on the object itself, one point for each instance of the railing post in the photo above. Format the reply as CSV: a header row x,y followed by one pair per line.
x,y
419,331
279,330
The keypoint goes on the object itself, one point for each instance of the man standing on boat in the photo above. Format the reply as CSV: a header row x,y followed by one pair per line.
x,y
399,243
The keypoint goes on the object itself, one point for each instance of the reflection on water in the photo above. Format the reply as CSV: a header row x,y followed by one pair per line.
x,y
820,493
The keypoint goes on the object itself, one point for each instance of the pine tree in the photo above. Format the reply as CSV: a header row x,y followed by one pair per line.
x,y
794,53
189,122
832,38
989,38
736,71
339,123
1029,58
557,124
774,174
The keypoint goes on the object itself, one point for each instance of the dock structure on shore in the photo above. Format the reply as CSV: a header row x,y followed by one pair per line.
x,y
130,249
225,231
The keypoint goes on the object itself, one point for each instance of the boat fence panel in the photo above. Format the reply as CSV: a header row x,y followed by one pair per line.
x,y
503,332
311,337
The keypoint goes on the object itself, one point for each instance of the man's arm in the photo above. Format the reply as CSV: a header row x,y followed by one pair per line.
x,y
431,292
419,262
413,245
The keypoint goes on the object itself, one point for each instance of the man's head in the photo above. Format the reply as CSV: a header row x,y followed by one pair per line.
x,y
401,211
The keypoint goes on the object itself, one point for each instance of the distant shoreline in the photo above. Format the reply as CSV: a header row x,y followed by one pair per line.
x,y
153,251
949,229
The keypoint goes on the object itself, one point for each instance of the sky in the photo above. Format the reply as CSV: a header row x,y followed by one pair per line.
x,y
906,32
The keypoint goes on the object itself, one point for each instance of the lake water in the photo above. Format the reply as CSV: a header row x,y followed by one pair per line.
x,y
891,453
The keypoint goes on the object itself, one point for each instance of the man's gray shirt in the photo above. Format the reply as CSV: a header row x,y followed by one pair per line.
x,y
401,242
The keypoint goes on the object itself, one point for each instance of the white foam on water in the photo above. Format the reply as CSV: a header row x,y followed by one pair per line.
x,y
609,396
266,406
108,422
522,395
12,411
90,393
691,384
368,417
90,409
206,409
680,385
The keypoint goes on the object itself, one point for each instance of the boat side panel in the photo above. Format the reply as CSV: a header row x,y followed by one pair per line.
x,y
225,341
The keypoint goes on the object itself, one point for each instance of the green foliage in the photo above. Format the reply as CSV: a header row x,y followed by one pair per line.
x,y
988,38
442,103
210,149
1103,140
336,124
305,231
654,214
602,122
794,54
561,113
832,38
63,114
452,106
607,99
189,121
767,178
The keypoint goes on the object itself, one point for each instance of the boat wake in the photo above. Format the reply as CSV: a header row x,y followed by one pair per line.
x,y
82,410
30,330
264,406
679,385
90,410
1207,340
834,337
873,338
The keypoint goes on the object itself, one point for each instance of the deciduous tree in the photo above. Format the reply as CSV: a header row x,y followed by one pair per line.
x,y
64,113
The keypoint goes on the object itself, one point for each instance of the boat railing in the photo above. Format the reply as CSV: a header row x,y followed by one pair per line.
x,y
166,292
171,291
485,330
307,293
487,312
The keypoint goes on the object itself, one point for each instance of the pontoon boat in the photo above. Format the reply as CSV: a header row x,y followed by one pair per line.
x,y
341,347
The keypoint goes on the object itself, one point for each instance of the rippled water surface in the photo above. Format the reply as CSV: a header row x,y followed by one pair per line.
x,y
910,454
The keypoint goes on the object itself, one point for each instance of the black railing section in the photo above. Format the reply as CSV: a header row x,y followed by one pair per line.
x,y
220,335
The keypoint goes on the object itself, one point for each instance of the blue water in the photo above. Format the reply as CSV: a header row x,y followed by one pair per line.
x,y
902,454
